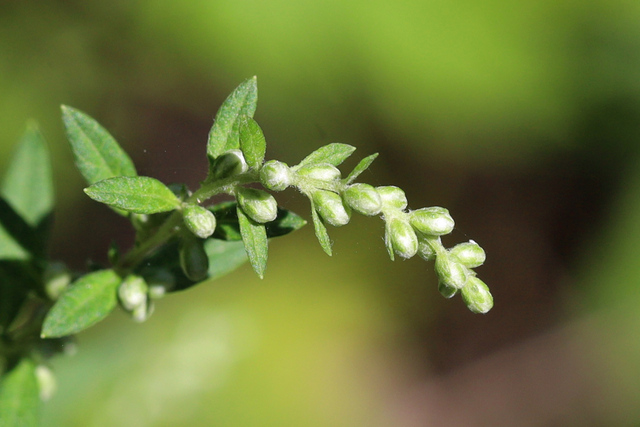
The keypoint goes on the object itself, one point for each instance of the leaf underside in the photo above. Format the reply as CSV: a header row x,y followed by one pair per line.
x,y
333,154
254,237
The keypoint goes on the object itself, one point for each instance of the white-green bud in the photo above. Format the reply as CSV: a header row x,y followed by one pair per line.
x,y
433,221
469,254
193,259
142,312
446,290
403,238
57,278
450,272
322,172
275,175
363,198
228,164
46,382
392,197
160,282
425,250
259,205
476,296
331,208
133,292
200,221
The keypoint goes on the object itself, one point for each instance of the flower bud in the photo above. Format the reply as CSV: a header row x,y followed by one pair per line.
x,y
259,205
433,221
330,207
322,172
402,237
392,196
143,312
446,290
363,198
425,250
133,292
469,254
46,381
450,273
476,296
275,175
57,278
193,259
200,221
228,164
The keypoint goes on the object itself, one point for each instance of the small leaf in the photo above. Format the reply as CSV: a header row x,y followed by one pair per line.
x,y
252,142
228,227
321,230
141,194
254,237
98,155
87,301
333,154
224,257
362,166
19,396
28,183
224,134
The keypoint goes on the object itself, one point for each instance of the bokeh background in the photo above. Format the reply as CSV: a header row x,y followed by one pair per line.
x,y
521,117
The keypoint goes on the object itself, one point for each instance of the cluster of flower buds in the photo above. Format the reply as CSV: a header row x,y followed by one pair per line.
x,y
407,232
133,294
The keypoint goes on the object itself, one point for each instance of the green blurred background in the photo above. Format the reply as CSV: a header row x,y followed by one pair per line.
x,y
521,117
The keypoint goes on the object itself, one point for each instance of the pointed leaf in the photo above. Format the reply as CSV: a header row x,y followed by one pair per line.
x,y
362,166
28,184
98,155
321,230
254,237
141,194
224,257
252,142
333,154
20,396
224,134
228,228
87,301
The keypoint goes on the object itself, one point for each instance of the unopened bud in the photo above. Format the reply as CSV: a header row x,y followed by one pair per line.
x,y
476,296
259,205
143,312
450,273
446,290
330,207
425,250
200,221
46,382
322,172
275,175
393,197
193,259
402,237
133,292
469,254
363,198
57,278
228,164
433,221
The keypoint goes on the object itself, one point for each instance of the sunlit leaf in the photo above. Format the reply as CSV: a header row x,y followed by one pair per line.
x,y
224,134
320,230
141,194
19,396
252,142
87,301
333,154
362,166
254,237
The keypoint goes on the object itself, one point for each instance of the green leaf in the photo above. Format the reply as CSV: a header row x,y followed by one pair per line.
x,y
18,240
224,257
254,237
224,134
333,154
141,194
362,166
87,301
98,155
252,142
321,230
20,396
228,227
28,183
